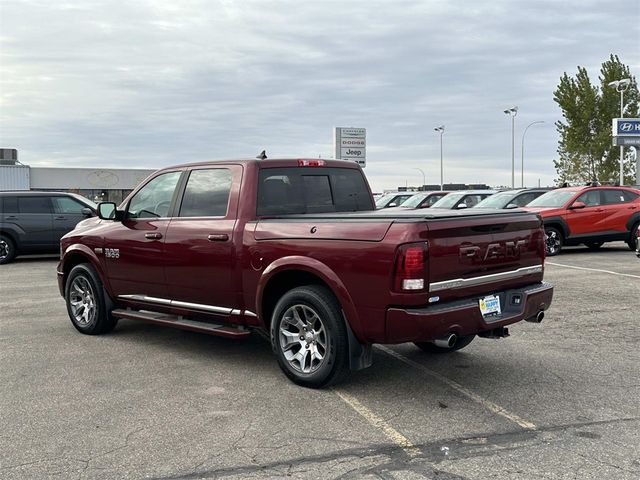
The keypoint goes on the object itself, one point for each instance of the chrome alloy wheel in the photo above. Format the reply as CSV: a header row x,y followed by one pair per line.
x,y
303,339
82,300
5,249
553,242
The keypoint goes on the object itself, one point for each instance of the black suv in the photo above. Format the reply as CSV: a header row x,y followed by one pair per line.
x,y
34,222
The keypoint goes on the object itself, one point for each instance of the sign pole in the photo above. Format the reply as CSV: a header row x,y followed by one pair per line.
x,y
621,147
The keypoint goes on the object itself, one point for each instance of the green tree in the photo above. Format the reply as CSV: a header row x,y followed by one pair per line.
x,y
585,148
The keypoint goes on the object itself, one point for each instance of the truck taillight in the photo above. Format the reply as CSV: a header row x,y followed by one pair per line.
x,y
411,268
311,163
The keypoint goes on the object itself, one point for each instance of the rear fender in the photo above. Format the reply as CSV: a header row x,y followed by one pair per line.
x,y
318,269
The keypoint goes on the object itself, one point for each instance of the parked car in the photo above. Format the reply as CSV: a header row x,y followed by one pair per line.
x,y
394,199
588,215
423,199
226,247
511,198
34,222
462,199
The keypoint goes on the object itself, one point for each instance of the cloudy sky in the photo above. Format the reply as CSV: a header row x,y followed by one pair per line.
x,y
154,83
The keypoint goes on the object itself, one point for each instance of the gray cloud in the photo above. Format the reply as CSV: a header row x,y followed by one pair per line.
x,y
148,84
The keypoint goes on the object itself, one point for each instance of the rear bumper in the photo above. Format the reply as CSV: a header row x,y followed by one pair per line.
x,y
463,317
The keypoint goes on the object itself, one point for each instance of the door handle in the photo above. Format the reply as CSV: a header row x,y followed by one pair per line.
x,y
218,237
153,235
12,217
60,218
599,210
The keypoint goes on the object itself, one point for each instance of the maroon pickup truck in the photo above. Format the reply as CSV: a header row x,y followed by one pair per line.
x,y
296,249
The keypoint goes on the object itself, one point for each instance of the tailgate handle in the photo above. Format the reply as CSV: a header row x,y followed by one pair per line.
x,y
218,237
153,235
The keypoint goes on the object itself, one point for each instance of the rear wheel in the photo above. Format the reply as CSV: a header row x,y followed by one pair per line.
x,y
594,245
86,303
7,249
554,241
309,337
461,342
633,236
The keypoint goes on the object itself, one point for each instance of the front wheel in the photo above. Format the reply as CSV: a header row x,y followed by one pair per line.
x,y
461,342
7,249
309,337
86,303
553,241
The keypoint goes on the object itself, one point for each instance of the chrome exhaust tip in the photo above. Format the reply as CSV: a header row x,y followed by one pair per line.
x,y
447,342
537,318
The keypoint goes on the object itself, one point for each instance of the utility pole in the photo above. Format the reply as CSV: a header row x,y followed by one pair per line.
x,y
512,112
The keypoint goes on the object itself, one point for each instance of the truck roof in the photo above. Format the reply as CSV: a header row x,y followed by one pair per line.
x,y
274,163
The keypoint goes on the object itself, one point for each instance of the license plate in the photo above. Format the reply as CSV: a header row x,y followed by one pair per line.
x,y
490,306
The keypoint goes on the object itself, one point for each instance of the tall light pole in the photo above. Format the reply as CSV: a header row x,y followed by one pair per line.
x,y
621,86
523,134
512,112
440,130
424,181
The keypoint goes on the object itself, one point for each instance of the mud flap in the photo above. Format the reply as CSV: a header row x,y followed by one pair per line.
x,y
360,355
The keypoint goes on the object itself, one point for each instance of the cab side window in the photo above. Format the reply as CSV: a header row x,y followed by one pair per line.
x,y
616,196
67,205
34,205
8,205
207,193
590,199
522,200
154,199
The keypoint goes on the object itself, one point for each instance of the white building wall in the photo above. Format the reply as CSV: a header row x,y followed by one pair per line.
x,y
14,177
87,178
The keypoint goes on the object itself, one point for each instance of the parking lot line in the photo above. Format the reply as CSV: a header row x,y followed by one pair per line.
x,y
380,423
593,270
489,405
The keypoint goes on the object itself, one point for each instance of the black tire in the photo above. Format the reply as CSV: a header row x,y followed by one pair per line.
x,y
461,342
633,235
92,315
594,245
307,322
554,241
7,249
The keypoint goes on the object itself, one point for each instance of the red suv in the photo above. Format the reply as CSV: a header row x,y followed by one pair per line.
x,y
589,215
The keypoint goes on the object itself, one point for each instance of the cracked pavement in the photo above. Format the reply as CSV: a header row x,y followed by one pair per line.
x,y
152,402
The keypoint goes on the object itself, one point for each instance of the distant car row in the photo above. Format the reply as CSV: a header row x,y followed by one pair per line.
x,y
589,215
34,222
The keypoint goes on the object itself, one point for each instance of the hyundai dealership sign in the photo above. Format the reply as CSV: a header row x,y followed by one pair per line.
x,y
351,144
626,131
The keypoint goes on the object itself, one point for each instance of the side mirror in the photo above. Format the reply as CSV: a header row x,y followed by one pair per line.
x,y
392,204
462,205
87,212
511,205
107,210
577,205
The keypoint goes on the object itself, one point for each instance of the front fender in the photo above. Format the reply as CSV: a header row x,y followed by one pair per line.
x,y
319,269
89,254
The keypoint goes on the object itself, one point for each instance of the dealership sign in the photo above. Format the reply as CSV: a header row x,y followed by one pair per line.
x,y
626,131
351,144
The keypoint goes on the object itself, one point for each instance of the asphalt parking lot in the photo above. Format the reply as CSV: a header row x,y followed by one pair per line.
x,y
555,400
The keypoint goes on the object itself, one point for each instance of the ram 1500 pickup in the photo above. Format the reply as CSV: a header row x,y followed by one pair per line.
x,y
296,249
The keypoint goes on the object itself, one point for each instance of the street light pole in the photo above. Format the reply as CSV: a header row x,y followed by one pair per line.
x,y
621,86
522,158
512,112
424,181
440,129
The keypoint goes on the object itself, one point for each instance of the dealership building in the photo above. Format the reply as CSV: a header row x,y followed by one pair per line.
x,y
96,184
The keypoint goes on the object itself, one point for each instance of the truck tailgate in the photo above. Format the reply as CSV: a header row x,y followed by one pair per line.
x,y
478,254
